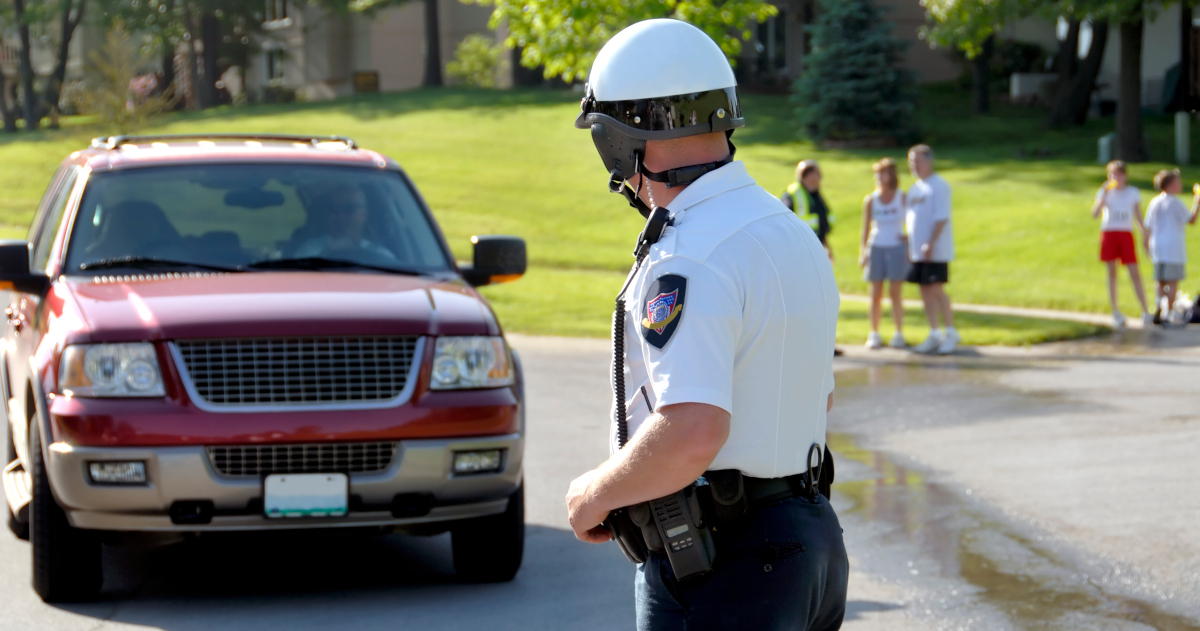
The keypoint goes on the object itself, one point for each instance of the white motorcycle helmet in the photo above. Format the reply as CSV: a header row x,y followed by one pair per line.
x,y
657,80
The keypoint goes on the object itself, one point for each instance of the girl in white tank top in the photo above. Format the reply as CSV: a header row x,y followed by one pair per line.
x,y
884,251
887,220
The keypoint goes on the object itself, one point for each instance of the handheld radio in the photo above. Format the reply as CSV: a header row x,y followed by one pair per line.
x,y
672,524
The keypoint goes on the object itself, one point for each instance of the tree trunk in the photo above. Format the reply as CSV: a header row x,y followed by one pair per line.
x,y
1072,103
210,33
9,112
53,88
29,105
1068,56
433,46
167,86
1130,145
189,24
982,64
1182,101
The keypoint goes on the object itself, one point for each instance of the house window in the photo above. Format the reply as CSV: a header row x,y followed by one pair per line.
x,y
275,65
277,10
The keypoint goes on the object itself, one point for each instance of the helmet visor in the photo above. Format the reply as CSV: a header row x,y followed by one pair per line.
x,y
719,110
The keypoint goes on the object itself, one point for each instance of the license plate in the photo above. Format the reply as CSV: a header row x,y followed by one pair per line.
x,y
306,495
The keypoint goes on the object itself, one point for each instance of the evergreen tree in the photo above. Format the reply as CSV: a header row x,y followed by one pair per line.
x,y
853,85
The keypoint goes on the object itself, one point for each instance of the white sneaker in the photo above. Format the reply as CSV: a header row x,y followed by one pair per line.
x,y
950,344
930,345
874,341
898,341
1147,319
1118,321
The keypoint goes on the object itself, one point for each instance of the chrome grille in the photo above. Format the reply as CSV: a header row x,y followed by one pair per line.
x,y
259,460
297,371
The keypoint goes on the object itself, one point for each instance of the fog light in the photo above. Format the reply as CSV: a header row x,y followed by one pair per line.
x,y
118,472
477,461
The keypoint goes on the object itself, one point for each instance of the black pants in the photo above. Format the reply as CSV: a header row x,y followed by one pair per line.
x,y
782,567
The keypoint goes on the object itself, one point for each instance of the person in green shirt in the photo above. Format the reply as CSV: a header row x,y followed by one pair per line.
x,y
803,197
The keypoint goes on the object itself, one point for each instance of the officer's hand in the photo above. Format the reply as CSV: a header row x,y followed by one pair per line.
x,y
583,513
927,252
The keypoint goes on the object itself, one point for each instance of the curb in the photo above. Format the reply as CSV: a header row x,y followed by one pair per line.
x,y
1019,312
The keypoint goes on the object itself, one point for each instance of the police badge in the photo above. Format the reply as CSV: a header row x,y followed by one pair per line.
x,y
663,309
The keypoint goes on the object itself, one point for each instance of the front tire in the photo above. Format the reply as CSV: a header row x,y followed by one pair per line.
x,y
489,549
18,527
66,560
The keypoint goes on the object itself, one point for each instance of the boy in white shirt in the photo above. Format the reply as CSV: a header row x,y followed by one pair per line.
x,y
1166,219
1122,210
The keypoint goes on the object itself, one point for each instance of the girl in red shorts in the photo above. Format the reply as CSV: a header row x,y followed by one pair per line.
x,y
1121,205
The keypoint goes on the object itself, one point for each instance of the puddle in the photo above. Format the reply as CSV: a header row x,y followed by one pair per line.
x,y
967,564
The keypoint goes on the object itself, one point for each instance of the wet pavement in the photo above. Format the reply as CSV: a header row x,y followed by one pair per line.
x,y
1049,488
1043,488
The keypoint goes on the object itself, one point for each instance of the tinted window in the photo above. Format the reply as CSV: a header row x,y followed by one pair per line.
x,y
237,215
50,223
47,200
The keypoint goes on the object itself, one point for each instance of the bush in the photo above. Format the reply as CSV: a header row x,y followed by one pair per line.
x,y
853,85
477,61
121,100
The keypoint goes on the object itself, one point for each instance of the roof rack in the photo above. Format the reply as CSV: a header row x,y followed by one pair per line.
x,y
112,142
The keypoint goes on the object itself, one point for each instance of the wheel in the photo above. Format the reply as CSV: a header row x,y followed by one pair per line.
x,y
489,549
66,560
18,527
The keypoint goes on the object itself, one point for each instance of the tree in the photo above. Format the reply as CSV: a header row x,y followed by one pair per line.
x,y
971,26
120,102
563,36
1076,80
223,27
853,85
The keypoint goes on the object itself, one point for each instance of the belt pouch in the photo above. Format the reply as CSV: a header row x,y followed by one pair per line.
x,y
728,494
627,534
641,517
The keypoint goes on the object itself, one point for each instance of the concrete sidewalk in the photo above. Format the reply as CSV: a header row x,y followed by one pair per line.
x,y
1019,312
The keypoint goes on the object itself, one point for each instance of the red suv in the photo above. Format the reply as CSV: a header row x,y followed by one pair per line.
x,y
227,333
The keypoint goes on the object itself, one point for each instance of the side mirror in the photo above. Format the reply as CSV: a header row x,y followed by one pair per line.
x,y
14,269
498,259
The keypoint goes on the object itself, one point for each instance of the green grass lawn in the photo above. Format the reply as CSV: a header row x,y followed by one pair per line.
x,y
511,162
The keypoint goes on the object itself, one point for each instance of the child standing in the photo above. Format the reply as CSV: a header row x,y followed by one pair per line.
x,y
1166,219
883,249
1121,206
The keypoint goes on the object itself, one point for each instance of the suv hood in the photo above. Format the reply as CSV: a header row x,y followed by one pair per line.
x,y
276,304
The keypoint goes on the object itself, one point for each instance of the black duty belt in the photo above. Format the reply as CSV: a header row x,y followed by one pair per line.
x,y
761,491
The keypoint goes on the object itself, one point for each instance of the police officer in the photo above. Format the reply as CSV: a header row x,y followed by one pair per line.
x,y
803,197
724,347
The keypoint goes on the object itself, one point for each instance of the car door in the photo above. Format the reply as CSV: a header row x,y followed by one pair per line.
x,y
23,334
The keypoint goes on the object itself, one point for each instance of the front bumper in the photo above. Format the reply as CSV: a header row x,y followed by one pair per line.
x,y
177,474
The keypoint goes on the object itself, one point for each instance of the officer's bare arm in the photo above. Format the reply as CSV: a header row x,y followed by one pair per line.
x,y
668,452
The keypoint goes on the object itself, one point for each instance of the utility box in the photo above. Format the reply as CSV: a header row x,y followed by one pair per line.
x,y
1104,148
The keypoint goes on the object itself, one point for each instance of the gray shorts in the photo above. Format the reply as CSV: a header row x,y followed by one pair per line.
x,y
890,263
1169,272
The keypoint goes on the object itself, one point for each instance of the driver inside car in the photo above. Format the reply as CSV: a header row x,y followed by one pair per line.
x,y
346,216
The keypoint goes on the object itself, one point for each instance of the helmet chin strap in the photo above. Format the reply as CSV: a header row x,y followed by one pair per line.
x,y
683,176
671,177
618,184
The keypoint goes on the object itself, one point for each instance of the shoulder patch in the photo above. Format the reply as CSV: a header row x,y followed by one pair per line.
x,y
663,309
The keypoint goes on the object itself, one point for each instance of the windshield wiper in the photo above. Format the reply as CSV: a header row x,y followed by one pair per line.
x,y
322,263
150,261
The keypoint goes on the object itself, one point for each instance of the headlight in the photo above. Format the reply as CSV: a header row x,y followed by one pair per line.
x,y
471,362
110,370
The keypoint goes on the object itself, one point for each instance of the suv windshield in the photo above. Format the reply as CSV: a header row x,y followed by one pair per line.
x,y
253,215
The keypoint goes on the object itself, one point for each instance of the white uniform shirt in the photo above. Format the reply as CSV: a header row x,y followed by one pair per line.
x,y
747,304
1118,208
928,203
1166,219
887,221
